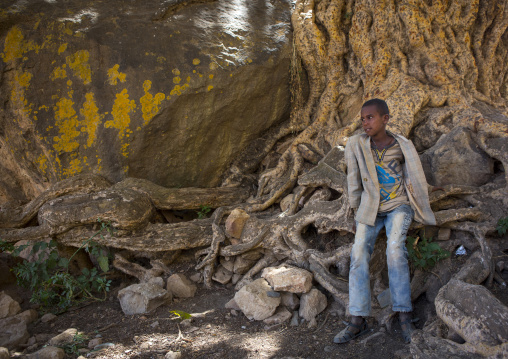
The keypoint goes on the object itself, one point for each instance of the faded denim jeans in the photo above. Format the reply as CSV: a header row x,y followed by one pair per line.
x,y
397,223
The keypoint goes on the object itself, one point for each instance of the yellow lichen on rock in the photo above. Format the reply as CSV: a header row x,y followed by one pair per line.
x,y
78,62
121,118
75,167
13,45
178,90
114,75
42,163
20,83
149,103
92,118
59,73
62,48
67,122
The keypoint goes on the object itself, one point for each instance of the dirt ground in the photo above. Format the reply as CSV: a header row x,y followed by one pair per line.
x,y
216,332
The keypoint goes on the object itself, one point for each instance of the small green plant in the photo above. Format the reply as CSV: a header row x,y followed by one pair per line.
x,y
48,277
423,253
78,342
203,211
502,226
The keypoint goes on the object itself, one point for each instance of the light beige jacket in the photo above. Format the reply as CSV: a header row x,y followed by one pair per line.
x,y
363,185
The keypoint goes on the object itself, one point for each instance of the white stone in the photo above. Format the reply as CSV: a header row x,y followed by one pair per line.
x,y
311,304
8,306
232,305
158,281
222,275
254,302
290,300
173,355
235,222
13,332
281,315
288,279
48,353
64,338
48,317
4,353
142,298
180,286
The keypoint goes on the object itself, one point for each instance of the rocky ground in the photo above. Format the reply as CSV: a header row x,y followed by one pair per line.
x,y
213,331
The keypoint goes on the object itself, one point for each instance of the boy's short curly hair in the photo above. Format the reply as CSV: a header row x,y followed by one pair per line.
x,y
381,106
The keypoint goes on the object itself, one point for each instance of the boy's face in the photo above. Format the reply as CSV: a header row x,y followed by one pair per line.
x,y
372,122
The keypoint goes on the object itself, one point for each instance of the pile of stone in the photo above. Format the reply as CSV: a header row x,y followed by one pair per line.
x,y
13,323
282,293
145,297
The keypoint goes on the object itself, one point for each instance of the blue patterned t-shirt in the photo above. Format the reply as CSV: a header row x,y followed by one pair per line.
x,y
389,162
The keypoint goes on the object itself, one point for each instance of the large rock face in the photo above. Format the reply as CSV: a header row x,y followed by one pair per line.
x,y
169,91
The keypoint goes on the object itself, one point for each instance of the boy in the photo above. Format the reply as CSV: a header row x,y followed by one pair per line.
x,y
387,188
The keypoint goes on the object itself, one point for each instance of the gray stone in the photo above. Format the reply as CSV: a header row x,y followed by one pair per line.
x,y
196,278
229,263
8,306
48,353
236,278
28,316
242,265
252,255
235,222
253,301
290,300
286,202
64,338
281,315
94,342
311,304
173,355
180,286
158,281
14,332
142,298
295,320
384,298
457,159
288,279
232,305
31,341
222,275
444,234
43,338
4,353
48,317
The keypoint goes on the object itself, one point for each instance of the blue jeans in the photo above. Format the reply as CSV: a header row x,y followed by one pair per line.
x,y
397,223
